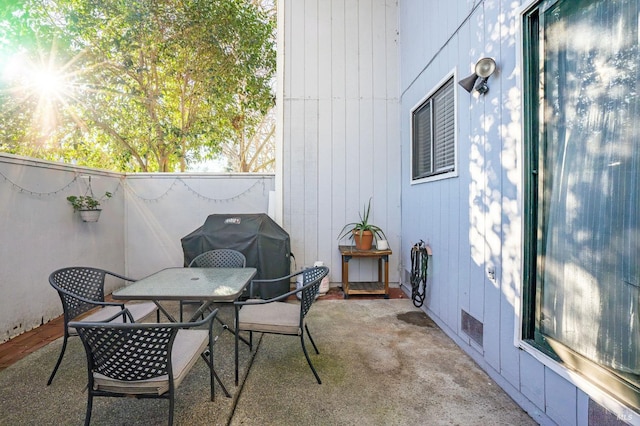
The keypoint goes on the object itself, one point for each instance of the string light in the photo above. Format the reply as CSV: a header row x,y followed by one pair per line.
x,y
201,196
196,193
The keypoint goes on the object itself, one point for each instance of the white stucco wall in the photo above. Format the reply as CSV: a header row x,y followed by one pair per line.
x,y
138,232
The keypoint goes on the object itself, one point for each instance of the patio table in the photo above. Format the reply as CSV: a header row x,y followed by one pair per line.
x,y
209,285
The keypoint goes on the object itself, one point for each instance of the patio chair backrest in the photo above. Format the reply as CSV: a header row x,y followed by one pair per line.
x,y
309,292
75,283
138,359
220,258
128,353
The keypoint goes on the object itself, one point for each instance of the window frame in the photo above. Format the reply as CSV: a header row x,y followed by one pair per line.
x,y
591,377
446,174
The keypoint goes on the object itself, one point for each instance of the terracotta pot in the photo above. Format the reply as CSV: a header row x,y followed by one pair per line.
x,y
363,242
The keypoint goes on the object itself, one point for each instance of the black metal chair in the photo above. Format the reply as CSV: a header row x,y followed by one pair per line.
x,y
218,258
81,289
143,360
276,316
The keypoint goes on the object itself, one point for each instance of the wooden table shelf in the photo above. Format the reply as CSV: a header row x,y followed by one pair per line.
x,y
381,287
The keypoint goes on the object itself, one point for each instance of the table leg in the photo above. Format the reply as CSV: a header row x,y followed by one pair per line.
x,y
204,356
345,276
386,277
164,311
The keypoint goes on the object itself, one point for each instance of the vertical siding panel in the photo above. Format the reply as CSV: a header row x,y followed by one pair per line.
x,y
380,164
309,196
338,170
453,225
352,122
311,187
365,49
325,62
367,165
338,129
351,41
466,39
560,399
326,246
379,54
311,49
393,146
288,52
296,47
393,195
352,171
510,258
490,119
477,187
338,50
297,182
532,379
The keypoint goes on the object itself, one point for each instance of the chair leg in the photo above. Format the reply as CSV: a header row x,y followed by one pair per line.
x,y
311,338
237,337
87,417
306,354
55,369
171,401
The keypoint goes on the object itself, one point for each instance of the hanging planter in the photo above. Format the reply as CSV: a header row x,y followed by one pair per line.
x,y
87,204
90,215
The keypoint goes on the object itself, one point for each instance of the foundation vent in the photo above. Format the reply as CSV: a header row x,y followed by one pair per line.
x,y
472,327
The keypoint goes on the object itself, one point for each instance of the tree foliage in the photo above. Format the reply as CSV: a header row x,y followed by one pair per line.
x,y
139,85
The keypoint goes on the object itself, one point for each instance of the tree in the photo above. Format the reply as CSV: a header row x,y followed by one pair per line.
x,y
253,150
151,86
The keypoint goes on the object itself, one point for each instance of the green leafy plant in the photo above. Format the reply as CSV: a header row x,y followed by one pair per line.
x,y
350,229
86,202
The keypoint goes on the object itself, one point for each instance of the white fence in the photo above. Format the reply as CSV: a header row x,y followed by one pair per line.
x,y
138,232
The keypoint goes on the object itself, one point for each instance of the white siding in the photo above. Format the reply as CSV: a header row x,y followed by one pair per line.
x,y
474,221
353,69
340,126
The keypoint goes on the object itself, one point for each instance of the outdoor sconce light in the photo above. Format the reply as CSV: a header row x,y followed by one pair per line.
x,y
484,68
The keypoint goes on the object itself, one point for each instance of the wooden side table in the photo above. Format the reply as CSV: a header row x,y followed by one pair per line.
x,y
380,287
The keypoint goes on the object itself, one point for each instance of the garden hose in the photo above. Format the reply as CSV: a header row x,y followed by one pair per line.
x,y
419,266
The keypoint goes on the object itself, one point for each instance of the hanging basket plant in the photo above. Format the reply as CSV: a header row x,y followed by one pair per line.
x,y
88,205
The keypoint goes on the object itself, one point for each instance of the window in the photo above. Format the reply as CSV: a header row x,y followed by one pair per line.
x,y
433,134
582,189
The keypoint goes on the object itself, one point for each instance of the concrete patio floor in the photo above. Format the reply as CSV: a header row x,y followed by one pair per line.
x,y
382,362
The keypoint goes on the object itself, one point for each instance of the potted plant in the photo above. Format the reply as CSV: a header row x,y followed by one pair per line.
x,y
362,232
87,205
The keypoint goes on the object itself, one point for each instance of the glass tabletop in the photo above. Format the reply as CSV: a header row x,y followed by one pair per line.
x,y
214,284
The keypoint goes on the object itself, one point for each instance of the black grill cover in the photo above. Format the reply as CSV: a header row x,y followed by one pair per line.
x,y
263,242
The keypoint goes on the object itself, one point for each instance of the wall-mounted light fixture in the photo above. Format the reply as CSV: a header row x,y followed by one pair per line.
x,y
484,68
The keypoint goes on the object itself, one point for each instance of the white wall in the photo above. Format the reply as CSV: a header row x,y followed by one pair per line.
x,y
138,232
474,221
41,233
339,126
163,208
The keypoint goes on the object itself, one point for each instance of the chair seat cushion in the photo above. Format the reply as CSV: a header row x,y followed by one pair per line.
x,y
275,317
187,347
138,311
